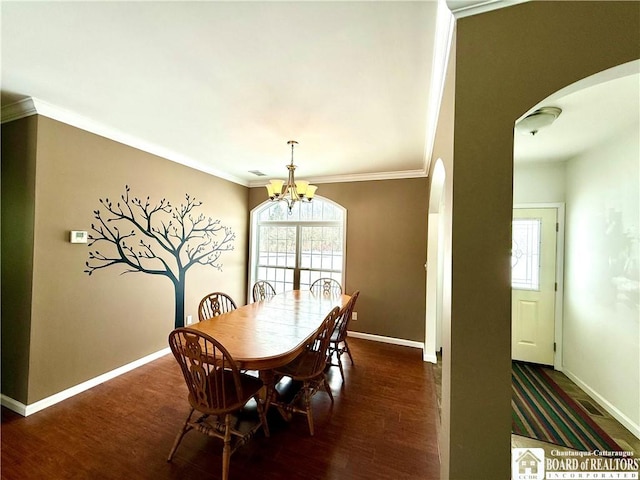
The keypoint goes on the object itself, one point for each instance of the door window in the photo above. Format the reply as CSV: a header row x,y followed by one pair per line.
x,y
525,254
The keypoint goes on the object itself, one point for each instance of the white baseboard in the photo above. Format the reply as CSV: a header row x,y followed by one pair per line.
x,y
604,403
379,338
13,405
26,410
429,357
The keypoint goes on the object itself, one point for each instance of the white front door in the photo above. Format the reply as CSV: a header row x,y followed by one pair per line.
x,y
533,281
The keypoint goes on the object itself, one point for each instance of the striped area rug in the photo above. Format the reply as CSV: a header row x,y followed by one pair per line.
x,y
540,409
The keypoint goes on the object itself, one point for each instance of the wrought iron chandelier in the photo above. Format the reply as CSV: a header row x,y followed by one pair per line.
x,y
294,190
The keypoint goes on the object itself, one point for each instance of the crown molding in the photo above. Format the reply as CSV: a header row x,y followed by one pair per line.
x,y
445,23
18,110
33,106
356,177
481,7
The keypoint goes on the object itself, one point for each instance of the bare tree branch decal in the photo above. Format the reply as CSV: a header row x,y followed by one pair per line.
x,y
162,240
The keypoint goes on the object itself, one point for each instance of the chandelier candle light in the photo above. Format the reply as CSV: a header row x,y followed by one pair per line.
x,y
293,191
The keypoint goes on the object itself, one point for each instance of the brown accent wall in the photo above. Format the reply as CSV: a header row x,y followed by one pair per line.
x,y
18,213
386,252
83,326
506,62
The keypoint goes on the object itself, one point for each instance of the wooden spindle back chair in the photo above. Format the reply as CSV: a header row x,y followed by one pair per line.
x,y
262,290
309,368
338,343
326,286
217,389
215,304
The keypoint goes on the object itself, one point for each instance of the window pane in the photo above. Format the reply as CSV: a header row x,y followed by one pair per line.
x,y
305,279
306,211
277,246
321,247
314,211
276,212
525,254
280,278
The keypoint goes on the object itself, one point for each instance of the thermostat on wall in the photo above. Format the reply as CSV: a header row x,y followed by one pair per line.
x,y
78,236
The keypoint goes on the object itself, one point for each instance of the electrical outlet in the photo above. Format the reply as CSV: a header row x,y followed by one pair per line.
x,y
354,316
189,319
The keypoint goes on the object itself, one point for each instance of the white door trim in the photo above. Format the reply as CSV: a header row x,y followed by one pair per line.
x,y
557,358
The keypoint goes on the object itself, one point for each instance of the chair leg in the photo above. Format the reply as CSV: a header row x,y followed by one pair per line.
x,y
332,350
339,355
327,387
262,414
185,428
226,450
307,406
348,350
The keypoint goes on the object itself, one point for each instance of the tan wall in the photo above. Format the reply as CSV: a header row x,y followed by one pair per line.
x,y
506,62
386,252
18,210
83,326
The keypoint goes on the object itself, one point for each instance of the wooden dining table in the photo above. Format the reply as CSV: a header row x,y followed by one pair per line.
x,y
269,334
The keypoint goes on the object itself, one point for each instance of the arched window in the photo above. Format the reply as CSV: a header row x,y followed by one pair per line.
x,y
290,251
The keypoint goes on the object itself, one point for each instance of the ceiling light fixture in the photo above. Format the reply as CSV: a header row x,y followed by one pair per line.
x,y
543,117
294,191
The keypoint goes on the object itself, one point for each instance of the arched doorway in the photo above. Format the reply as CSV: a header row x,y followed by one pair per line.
x,y
588,161
434,266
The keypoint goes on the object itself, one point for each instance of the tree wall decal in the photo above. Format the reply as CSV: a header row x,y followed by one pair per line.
x,y
163,240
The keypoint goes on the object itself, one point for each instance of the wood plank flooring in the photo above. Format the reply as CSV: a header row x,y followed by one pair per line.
x,y
383,425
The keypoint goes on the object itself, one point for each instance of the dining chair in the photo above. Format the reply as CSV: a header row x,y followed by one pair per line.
x,y
338,343
263,290
326,286
215,304
309,368
217,390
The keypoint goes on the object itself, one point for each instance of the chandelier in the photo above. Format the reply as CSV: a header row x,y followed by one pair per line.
x,y
294,191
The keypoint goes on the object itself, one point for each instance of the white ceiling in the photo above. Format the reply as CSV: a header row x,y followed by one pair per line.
x,y
594,111
227,84
222,86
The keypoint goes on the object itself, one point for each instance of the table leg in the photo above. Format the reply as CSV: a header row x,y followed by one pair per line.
x,y
269,391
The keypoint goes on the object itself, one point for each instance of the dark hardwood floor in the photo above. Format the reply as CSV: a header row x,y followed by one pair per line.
x,y
382,426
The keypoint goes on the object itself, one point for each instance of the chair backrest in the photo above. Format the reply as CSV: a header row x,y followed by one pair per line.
x,y
342,323
215,304
317,349
263,290
326,286
211,374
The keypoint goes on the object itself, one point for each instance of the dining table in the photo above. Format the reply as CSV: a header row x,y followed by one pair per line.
x,y
268,334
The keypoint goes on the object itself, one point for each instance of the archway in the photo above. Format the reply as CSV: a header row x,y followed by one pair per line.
x,y
434,265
